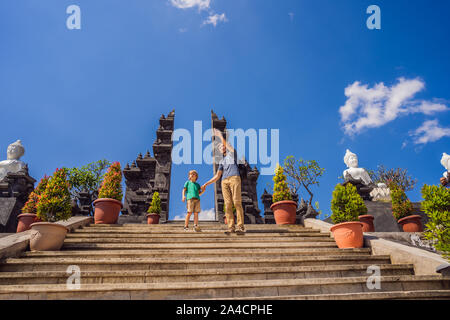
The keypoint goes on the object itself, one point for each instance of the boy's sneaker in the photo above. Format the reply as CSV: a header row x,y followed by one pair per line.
x,y
230,231
186,228
197,228
240,230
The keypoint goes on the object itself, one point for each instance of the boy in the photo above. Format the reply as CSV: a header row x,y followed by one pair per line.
x,y
193,190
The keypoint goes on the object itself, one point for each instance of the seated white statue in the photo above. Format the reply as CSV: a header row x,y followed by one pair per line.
x,y
445,161
13,164
351,160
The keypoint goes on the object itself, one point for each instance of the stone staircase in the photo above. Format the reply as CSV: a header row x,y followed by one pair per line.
x,y
165,262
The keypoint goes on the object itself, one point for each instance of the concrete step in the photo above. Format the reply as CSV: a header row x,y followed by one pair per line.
x,y
205,226
183,253
387,295
224,289
222,274
111,264
232,238
191,234
80,245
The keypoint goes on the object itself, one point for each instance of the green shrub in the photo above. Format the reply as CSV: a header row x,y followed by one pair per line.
x,y
281,191
346,204
33,199
401,206
436,205
155,206
111,187
55,202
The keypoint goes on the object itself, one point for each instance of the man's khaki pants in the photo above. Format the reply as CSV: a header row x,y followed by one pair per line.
x,y
231,191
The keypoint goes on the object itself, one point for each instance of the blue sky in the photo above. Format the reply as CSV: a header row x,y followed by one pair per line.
x,y
77,96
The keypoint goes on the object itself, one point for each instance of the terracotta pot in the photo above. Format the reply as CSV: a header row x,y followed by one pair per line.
x,y
348,234
367,222
47,236
25,221
152,218
107,211
284,212
411,223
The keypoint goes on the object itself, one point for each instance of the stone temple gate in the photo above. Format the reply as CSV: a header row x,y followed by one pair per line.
x,y
148,174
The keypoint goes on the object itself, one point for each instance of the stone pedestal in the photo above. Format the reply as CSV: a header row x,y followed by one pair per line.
x,y
14,191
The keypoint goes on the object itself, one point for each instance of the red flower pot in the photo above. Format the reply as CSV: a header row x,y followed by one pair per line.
x,y
411,223
348,235
284,212
107,211
367,222
25,221
152,218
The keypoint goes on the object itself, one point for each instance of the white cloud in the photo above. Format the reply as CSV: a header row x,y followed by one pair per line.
x,y
373,107
206,215
216,18
187,4
430,131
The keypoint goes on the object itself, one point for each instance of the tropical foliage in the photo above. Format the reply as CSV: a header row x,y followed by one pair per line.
x,y
55,202
281,189
111,187
401,206
346,204
155,206
436,205
302,173
33,199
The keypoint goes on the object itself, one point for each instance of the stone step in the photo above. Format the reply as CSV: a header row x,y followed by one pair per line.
x,y
191,234
206,226
224,289
182,253
230,239
200,245
222,274
111,264
373,295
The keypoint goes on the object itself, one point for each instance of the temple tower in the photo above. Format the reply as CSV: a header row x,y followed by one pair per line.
x,y
148,174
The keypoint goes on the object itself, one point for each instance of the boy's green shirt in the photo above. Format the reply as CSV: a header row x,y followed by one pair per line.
x,y
192,190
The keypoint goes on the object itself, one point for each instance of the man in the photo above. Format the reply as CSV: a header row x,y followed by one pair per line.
x,y
228,170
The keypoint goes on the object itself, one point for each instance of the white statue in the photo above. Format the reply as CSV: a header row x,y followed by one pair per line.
x,y
351,160
445,161
12,164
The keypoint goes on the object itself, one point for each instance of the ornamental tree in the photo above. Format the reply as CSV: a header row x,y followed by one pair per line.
x,y
55,203
302,173
401,206
346,204
398,176
281,189
33,199
155,206
111,187
436,206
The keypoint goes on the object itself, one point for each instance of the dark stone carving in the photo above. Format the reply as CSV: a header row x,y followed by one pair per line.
x,y
248,187
304,210
362,189
14,191
148,174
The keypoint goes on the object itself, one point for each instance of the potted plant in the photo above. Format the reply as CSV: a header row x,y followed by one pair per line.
x,y
402,209
154,210
54,205
436,206
85,183
29,210
109,202
346,205
284,209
